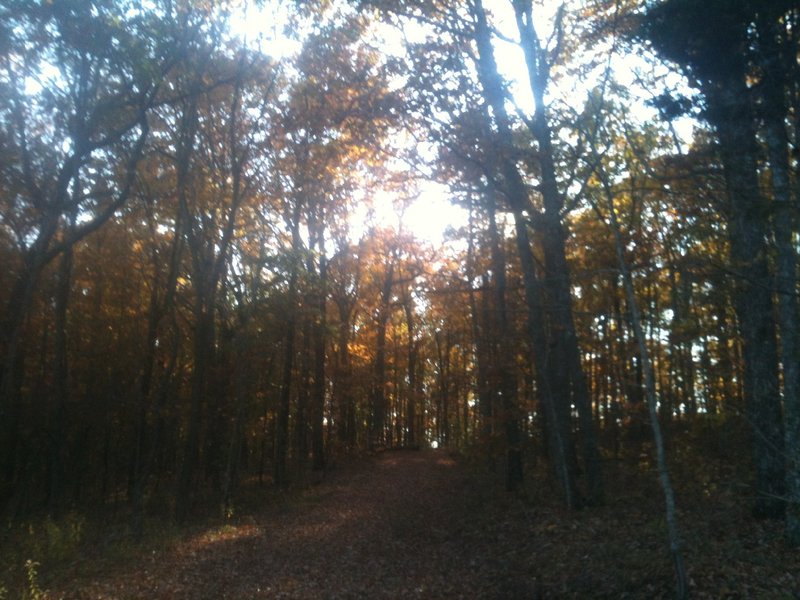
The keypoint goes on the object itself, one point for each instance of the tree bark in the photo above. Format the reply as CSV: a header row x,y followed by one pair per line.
x,y
412,351
58,428
552,376
747,229
480,336
784,224
144,453
563,336
342,383
504,353
673,531
378,392
320,341
281,449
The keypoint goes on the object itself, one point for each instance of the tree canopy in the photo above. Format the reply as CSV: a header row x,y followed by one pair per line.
x,y
202,288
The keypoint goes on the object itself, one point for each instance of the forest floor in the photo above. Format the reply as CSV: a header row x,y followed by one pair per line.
x,y
427,524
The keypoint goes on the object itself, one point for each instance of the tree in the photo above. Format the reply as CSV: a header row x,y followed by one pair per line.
x,y
676,29
338,115
98,69
606,210
214,171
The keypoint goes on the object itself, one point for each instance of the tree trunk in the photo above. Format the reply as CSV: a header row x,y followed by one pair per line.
x,y
563,337
412,350
506,368
202,353
320,341
143,456
784,225
58,428
303,397
552,376
342,383
241,376
378,393
284,402
480,337
673,532
443,342
747,229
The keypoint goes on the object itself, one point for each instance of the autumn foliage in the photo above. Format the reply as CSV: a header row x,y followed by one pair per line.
x,y
211,294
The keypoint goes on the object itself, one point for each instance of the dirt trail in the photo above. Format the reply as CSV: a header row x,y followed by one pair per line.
x,y
423,525
398,525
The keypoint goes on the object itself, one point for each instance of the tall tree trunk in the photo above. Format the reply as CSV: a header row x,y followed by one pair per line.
x,y
143,456
202,354
721,61
552,377
241,377
480,335
11,379
775,115
563,336
184,153
673,532
284,402
378,392
729,110
320,341
342,383
412,352
443,341
58,426
301,419
210,258
506,367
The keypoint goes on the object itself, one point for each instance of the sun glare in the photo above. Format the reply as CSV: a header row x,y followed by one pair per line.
x,y
265,25
427,217
430,214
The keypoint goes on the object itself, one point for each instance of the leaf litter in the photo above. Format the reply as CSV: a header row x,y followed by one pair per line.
x,y
427,524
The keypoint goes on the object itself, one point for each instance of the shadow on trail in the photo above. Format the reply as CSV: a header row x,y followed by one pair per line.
x,y
407,524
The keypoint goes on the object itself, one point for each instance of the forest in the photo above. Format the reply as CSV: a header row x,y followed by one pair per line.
x,y
216,288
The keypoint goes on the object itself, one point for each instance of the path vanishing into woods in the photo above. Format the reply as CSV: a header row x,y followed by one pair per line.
x,y
424,524
402,524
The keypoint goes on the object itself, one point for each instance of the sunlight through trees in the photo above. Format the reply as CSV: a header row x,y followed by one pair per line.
x,y
239,248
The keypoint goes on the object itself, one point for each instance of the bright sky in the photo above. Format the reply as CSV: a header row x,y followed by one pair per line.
x,y
427,216
431,213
